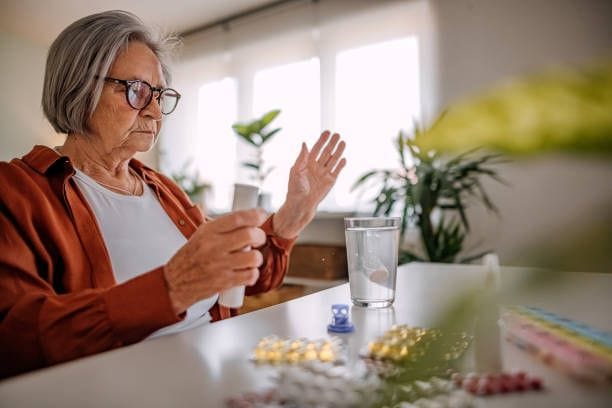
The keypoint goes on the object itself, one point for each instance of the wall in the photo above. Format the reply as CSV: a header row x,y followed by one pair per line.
x,y
480,42
552,198
557,209
21,78
22,69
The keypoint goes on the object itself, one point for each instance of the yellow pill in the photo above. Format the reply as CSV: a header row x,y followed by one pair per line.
x,y
310,355
326,355
296,344
260,353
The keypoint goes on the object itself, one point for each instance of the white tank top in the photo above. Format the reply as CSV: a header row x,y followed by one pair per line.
x,y
139,236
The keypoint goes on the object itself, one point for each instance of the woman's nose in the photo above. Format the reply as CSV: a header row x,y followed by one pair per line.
x,y
153,109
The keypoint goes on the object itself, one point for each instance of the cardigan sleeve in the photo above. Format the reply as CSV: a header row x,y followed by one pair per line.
x,y
41,327
276,252
276,260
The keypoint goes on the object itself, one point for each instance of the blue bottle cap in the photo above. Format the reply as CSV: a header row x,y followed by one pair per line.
x,y
340,319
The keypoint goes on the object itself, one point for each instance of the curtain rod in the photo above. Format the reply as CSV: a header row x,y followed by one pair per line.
x,y
226,21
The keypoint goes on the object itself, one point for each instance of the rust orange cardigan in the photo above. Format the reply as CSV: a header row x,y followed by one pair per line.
x,y
58,295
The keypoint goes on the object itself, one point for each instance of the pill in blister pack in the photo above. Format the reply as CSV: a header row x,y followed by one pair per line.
x,y
275,350
490,384
405,343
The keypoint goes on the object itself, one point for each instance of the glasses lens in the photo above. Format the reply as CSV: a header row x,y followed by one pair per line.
x,y
168,101
139,94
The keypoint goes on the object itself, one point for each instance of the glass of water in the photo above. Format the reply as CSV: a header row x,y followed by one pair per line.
x,y
371,250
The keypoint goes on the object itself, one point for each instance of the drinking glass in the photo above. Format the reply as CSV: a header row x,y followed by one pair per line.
x,y
371,250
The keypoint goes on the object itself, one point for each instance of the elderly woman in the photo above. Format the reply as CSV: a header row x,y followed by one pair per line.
x,y
97,250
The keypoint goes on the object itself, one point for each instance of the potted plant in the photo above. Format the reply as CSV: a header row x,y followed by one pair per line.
x,y
191,183
256,133
431,192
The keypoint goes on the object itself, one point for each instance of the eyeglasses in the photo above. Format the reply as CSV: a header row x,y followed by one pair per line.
x,y
140,93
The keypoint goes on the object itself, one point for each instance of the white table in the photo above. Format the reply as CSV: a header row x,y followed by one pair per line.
x,y
203,367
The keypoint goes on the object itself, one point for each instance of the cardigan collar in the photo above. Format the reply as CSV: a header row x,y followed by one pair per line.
x,y
42,158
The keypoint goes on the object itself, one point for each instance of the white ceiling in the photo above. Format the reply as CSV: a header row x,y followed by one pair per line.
x,y
41,21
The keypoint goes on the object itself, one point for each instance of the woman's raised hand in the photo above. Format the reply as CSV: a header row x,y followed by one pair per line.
x,y
214,260
310,179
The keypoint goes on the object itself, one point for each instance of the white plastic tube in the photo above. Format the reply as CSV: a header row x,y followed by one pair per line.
x,y
245,197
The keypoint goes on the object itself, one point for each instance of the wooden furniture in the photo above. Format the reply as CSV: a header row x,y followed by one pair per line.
x,y
204,366
312,267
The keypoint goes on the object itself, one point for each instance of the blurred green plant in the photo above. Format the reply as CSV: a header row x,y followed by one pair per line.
x,y
569,111
256,134
427,182
562,110
190,181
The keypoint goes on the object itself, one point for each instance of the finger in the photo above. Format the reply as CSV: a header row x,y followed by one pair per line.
x,y
329,148
314,153
243,237
338,168
246,277
245,260
238,219
335,157
302,158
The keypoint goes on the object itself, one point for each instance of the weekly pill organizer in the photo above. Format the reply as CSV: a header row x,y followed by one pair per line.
x,y
574,347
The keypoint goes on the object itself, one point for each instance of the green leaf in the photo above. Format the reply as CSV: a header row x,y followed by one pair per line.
x,y
241,130
461,209
268,135
269,117
485,198
406,256
267,172
248,139
401,145
251,165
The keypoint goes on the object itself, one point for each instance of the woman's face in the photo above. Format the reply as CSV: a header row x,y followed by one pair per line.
x,y
116,127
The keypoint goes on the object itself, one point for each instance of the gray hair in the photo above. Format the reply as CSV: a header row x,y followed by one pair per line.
x,y
80,58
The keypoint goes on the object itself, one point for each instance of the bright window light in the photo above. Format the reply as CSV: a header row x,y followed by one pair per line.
x,y
217,112
377,94
294,89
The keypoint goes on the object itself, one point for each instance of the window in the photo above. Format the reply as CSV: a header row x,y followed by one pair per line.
x,y
217,111
293,88
361,72
377,94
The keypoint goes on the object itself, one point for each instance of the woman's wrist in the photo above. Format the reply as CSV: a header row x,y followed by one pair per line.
x,y
290,220
175,300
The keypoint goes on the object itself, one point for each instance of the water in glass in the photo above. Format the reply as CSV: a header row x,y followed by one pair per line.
x,y
372,262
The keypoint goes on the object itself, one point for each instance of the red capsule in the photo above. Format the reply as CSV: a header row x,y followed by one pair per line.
x,y
482,389
520,386
520,375
509,385
535,384
503,387
493,388
492,377
471,387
